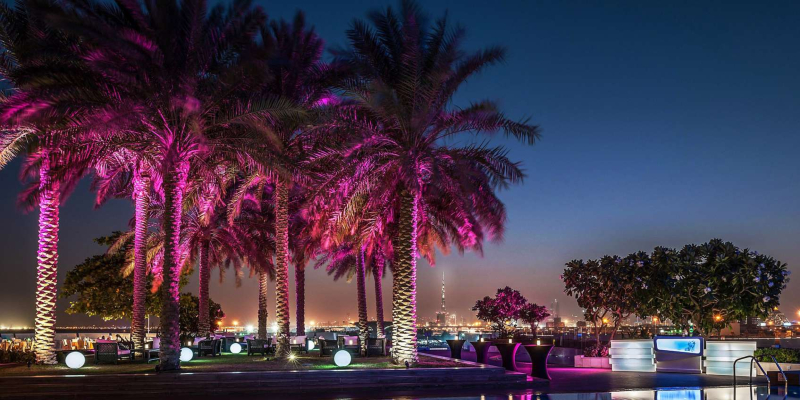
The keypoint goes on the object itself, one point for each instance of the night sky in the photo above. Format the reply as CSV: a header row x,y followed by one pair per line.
x,y
664,124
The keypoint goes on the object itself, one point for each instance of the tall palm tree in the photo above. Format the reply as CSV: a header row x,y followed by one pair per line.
x,y
35,121
122,174
347,260
402,159
251,207
182,95
301,78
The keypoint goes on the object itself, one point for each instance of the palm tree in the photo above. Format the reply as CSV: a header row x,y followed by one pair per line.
x,y
122,174
301,78
347,260
402,161
36,122
181,95
252,208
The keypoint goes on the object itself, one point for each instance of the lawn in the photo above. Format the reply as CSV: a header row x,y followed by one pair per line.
x,y
225,363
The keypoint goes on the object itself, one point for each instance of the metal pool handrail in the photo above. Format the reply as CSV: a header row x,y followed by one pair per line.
x,y
752,359
785,380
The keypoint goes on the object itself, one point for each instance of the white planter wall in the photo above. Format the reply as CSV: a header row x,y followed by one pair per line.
x,y
592,362
632,355
721,355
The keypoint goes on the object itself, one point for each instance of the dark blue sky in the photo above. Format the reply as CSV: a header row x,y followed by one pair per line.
x,y
664,124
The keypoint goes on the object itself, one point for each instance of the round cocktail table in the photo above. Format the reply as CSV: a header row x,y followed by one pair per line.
x,y
481,350
455,348
508,351
538,354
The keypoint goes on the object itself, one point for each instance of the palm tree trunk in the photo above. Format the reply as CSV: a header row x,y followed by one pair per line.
x,y
263,313
363,327
141,185
282,265
47,268
174,184
404,307
377,275
300,293
203,325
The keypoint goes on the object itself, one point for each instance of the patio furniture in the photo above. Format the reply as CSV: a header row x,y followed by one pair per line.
x,y
455,347
209,346
539,354
151,349
327,347
481,350
261,346
350,343
376,346
508,351
110,351
298,344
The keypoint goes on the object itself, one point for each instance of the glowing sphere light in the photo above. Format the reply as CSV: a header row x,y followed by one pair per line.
x,y
310,345
342,358
75,359
186,354
236,348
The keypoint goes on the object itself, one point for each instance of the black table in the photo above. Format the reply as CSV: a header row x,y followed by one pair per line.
x,y
508,351
455,347
481,350
539,354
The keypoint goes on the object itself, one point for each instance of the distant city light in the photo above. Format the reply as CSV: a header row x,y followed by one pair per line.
x,y
250,328
235,323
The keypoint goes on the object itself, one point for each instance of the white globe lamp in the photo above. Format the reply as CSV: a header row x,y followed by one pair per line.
x,y
75,359
342,358
186,354
236,348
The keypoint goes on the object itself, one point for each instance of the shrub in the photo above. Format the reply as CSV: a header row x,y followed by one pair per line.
x,y
16,356
596,351
781,355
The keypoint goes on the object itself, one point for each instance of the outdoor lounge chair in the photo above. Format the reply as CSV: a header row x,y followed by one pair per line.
x,y
327,346
350,343
209,346
110,351
261,346
298,344
152,349
376,346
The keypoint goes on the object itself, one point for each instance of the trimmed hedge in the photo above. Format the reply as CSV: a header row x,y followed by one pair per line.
x,y
781,355
16,356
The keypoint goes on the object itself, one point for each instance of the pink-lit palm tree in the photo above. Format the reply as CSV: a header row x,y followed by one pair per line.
x,y
403,162
302,78
36,120
252,208
122,174
181,97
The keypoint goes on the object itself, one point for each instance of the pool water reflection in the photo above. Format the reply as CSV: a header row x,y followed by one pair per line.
x,y
742,393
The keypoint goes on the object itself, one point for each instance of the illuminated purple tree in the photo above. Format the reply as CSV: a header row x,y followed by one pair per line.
x,y
401,115
502,311
533,314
